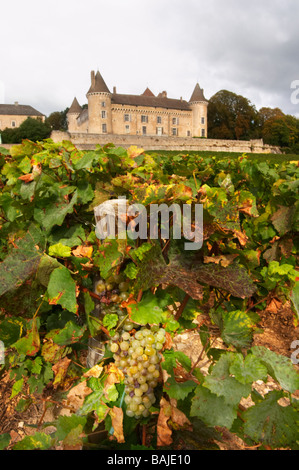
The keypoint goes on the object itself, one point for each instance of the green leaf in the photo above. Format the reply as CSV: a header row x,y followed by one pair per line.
x,y
45,268
109,255
17,388
39,440
62,289
283,218
71,237
29,345
60,251
4,438
70,334
221,383
279,367
247,370
10,330
21,263
211,409
54,213
174,389
94,402
66,424
272,424
110,321
149,310
238,329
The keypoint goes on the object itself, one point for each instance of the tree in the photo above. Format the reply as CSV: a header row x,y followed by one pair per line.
x,y
32,129
277,128
58,120
231,116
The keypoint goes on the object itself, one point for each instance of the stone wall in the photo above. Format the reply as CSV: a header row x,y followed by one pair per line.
x,y
180,144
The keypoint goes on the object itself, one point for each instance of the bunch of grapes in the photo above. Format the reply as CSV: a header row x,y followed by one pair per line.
x,y
138,356
114,291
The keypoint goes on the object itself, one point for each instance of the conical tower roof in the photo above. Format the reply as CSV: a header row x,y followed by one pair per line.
x,y
98,85
197,95
75,107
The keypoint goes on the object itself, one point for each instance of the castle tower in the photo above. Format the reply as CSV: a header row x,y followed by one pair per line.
x,y
72,115
199,106
99,106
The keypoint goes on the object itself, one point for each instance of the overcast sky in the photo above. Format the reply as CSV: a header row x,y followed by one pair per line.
x,y
48,49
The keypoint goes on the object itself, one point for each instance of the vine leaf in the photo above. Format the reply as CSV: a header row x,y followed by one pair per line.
x,y
270,423
39,441
29,344
238,328
117,417
279,367
221,383
213,410
62,289
109,255
22,261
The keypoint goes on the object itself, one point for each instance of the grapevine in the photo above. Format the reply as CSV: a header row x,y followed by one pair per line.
x,y
137,298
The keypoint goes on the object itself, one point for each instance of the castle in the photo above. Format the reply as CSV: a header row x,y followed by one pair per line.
x,y
143,115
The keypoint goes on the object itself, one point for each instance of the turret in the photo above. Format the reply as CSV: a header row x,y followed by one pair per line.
x,y
72,115
199,106
99,106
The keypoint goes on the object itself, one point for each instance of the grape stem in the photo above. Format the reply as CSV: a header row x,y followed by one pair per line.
x,y
100,324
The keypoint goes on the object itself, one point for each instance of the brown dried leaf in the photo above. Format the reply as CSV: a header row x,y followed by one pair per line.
x,y
77,395
60,370
26,178
274,306
224,260
83,251
95,371
117,417
164,433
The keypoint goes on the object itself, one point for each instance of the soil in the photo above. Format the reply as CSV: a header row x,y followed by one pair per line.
x,y
278,331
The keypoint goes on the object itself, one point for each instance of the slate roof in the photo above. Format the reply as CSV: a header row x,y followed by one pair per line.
x,y
75,107
197,95
18,110
99,85
151,101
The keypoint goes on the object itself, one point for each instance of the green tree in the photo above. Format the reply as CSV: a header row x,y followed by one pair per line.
x,y
231,116
58,120
282,131
32,129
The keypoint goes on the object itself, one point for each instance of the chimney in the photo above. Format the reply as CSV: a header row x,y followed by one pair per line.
x,y
164,94
92,78
114,90
16,103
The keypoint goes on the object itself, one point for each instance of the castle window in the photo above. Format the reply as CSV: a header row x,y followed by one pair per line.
x,y
203,133
175,121
104,128
127,129
159,130
174,131
13,123
188,133
144,118
202,120
103,104
127,117
159,120
144,130
104,114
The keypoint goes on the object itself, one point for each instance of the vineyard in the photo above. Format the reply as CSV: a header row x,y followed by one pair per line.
x,y
135,343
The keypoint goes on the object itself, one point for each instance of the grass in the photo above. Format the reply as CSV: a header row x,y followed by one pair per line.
x,y
271,157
